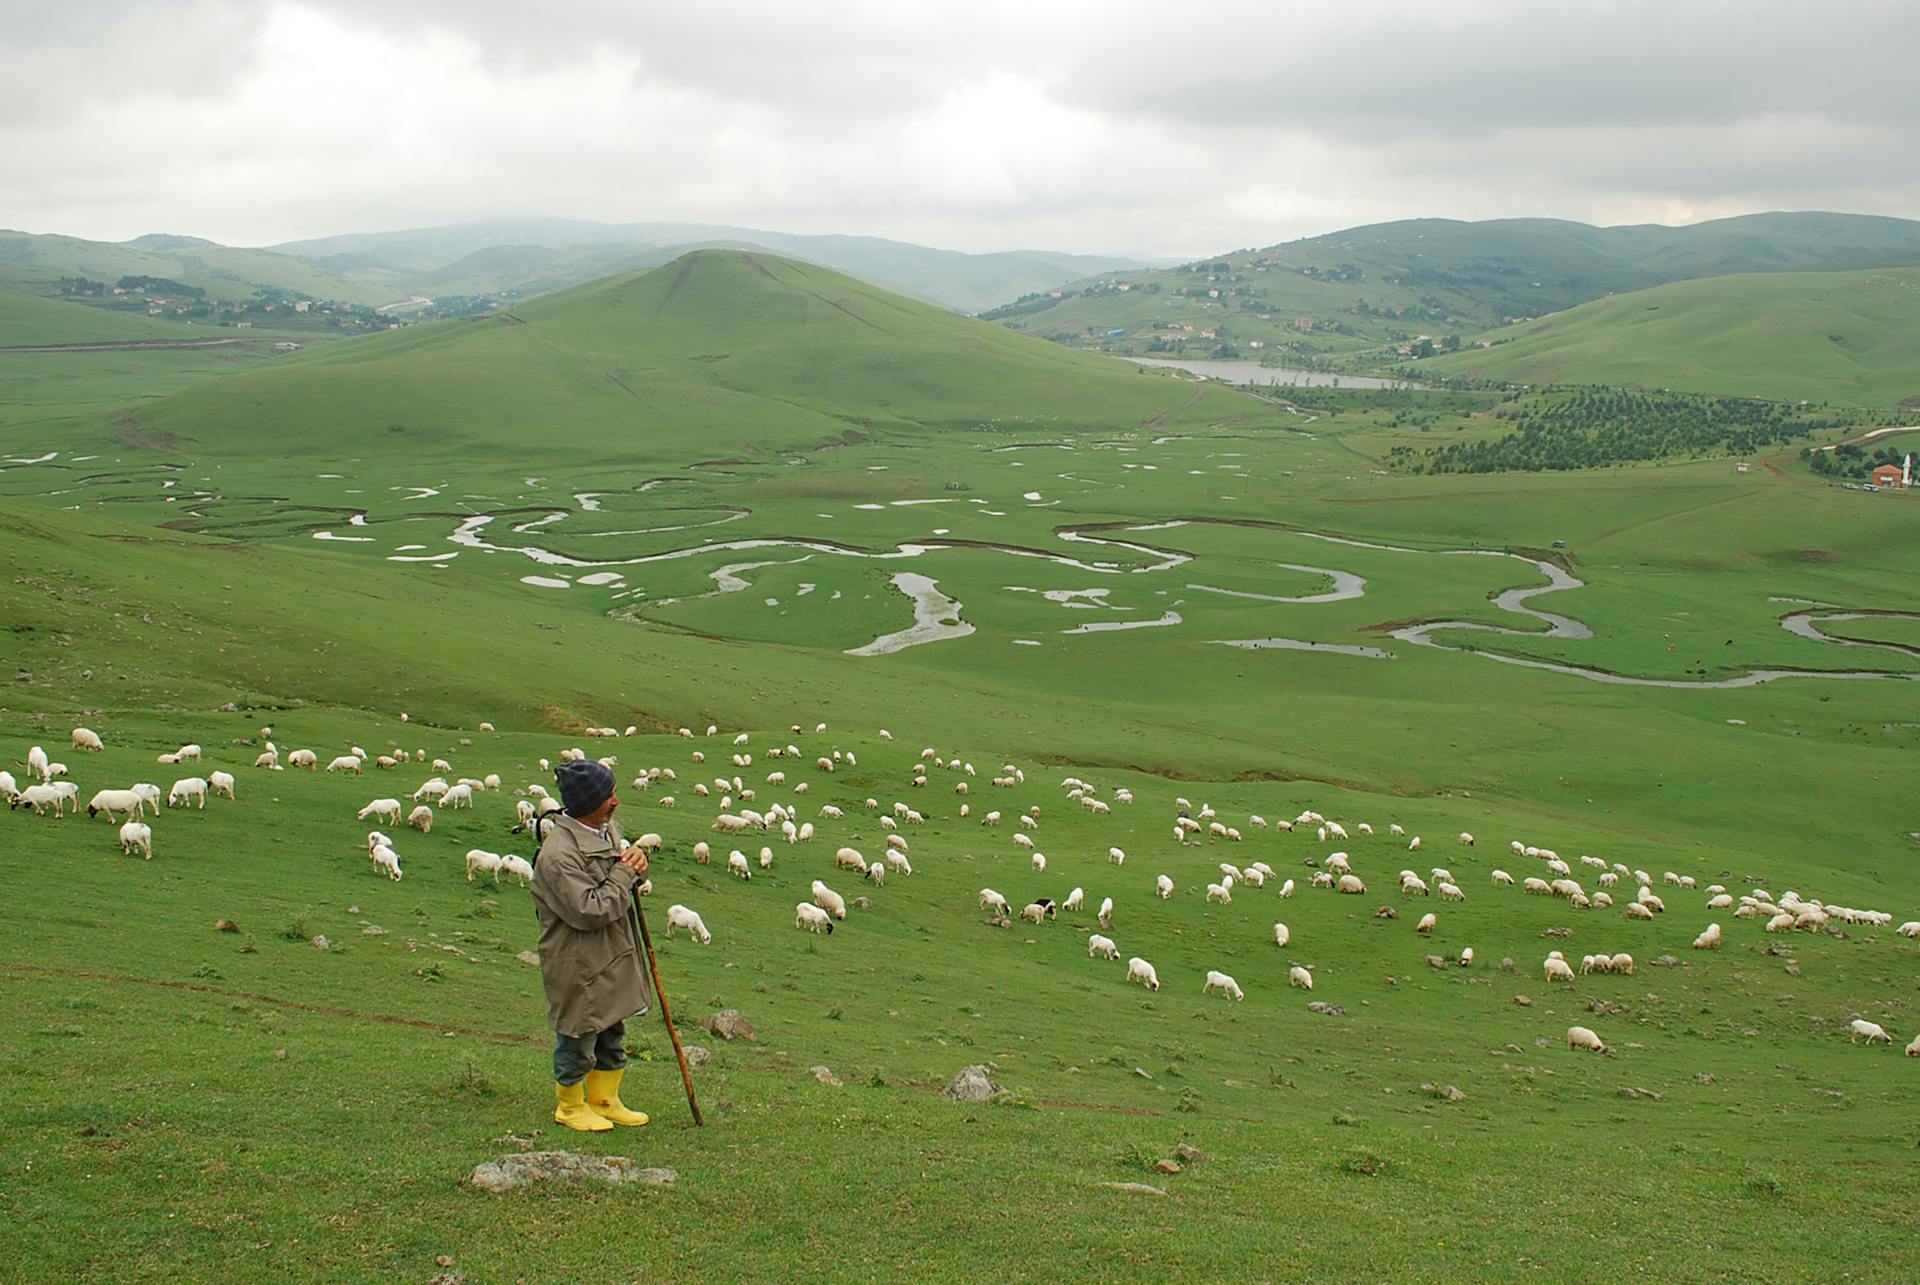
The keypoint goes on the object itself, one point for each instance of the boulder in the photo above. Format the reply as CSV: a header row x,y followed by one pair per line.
x,y
225,926
511,1172
1188,1154
730,1024
973,1084
1325,1009
824,1075
1136,1188
1444,1092
697,1056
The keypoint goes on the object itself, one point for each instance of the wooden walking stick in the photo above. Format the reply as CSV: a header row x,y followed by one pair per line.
x,y
653,970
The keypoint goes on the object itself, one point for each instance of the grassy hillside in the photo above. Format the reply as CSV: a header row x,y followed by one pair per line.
x,y
1827,336
566,518
1370,289
531,256
225,272
740,353
28,319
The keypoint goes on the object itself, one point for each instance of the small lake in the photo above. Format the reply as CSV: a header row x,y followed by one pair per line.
x,y
1252,372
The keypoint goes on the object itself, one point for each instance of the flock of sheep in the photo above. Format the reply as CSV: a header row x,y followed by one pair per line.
x,y
49,788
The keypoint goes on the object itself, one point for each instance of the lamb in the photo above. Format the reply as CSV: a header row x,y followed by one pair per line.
x,y
1299,977
679,916
37,763
112,801
137,834
739,868
1281,934
1579,1037
1106,912
421,819
1164,886
346,763
1075,899
1708,940
849,859
483,861
188,788
1221,892
829,900
876,874
1223,983
1035,912
86,739
518,867
388,810
1872,1030
1139,970
385,858
810,917
457,797
1098,946
1427,923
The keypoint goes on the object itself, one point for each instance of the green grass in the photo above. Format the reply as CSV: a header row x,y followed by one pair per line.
x,y
1846,337
136,1042
225,272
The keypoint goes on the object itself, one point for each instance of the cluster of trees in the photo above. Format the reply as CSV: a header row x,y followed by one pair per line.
x,y
1026,305
1849,461
1596,427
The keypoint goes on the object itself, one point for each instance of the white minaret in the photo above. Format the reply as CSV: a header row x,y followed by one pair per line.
x,y
1906,472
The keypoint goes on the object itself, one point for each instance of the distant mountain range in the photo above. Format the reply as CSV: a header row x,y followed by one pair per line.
x,y
1368,289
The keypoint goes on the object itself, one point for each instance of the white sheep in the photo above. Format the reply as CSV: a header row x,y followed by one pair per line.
x,y
137,834
1039,861
421,819
1427,923
1558,970
457,797
1139,970
1035,912
1709,939
1350,884
1223,983
38,796
388,810
37,764
518,867
188,788
1281,934
346,763
86,739
112,801
1913,1049
1116,856
1909,929
386,859
1466,957
1860,1026
810,917
829,900
1621,963
991,900
479,859
1106,912
1300,977
1286,889
186,752
679,916
1579,1037
1163,886
1221,892
849,859
9,788
1098,946
1075,899
739,868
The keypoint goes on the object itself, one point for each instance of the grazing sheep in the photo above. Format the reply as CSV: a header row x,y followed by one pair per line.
x,y
896,861
1708,940
346,763
1860,1026
1579,1037
1035,912
1286,889
1913,1049
1164,886
1909,929
991,900
1451,892
1075,899
1116,856
1106,912
829,900
810,917
1427,923
421,819
1223,983
1220,892
679,916
1351,885
187,788
1780,923
739,868
457,797
432,788
388,810
137,834
1720,902
9,788
130,802
1466,957
186,752
387,860
1621,963
1466,840
483,861
1414,846
1300,977
1039,861
1558,970
1101,946
38,796
1281,934
849,859
876,874
37,764
86,739
1139,970
517,867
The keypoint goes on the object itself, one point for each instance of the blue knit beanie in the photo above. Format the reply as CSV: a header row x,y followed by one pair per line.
x,y
584,785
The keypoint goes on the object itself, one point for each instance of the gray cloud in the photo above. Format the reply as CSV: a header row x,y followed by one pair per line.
x,y
1122,125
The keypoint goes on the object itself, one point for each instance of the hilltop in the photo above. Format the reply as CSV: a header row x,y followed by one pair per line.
x,y
225,273
1372,288
740,352
1815,336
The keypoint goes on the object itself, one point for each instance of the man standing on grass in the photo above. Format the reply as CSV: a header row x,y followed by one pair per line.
x,y
583,886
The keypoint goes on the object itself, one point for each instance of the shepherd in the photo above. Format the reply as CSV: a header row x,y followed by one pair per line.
x,y
583,886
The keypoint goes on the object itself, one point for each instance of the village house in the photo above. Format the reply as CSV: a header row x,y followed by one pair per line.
x,y
1887,477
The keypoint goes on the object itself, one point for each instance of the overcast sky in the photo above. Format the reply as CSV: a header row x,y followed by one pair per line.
x,y
1108,125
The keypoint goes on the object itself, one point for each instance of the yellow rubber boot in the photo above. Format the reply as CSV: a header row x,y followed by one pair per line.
x,y
571,1109
603,1096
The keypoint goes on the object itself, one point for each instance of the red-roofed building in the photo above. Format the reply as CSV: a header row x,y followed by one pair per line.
x,y
1887,475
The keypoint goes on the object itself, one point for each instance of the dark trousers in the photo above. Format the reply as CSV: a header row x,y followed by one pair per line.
x,y
575,1055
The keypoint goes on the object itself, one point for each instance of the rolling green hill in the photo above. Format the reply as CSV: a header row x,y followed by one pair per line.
x,y
224,272
741,352
1815,336
27,318
576,251
1365,290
